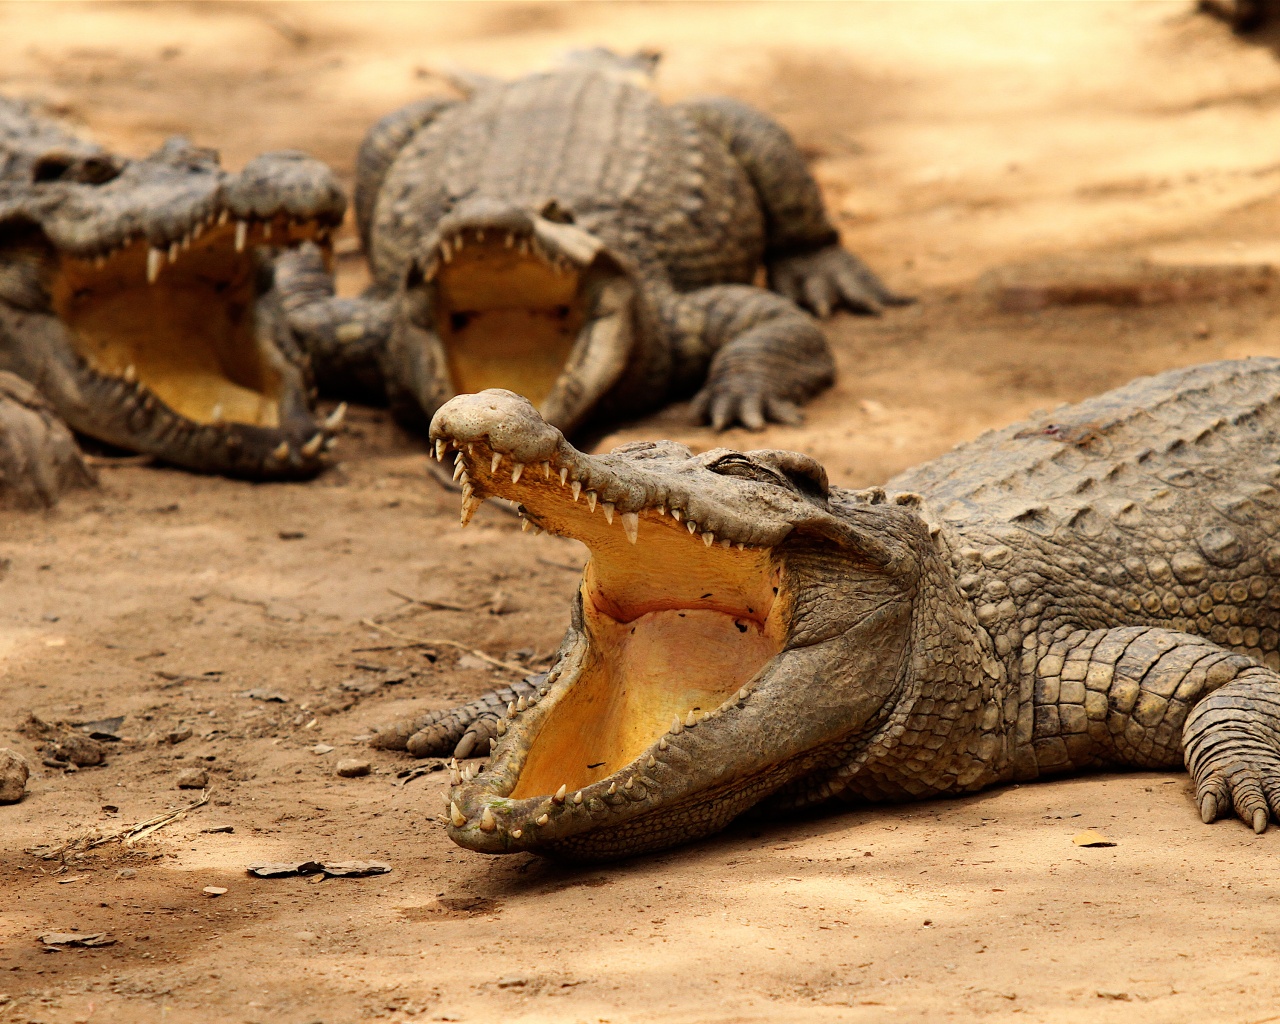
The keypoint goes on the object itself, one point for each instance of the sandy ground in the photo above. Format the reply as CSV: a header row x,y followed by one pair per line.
x,y
963,146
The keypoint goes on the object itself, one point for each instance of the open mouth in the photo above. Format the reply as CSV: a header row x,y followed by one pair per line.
x,y
677,618
180,321
518,303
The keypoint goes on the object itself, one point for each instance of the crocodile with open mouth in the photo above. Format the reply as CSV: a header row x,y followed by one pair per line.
x,y
569,237
1099,587
138,295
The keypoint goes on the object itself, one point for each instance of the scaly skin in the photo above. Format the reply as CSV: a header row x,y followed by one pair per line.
x,y
106,262
1096,587
667,212
38,456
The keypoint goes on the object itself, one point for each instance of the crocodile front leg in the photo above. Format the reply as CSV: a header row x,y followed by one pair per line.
x,y
345,339
463,731
760,356
1148,697
803,254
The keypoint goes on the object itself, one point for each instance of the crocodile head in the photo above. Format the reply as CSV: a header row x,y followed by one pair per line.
x,y
741,630
522,299
138,295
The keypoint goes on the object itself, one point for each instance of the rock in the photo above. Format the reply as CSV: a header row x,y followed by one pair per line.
x,y
178,735
321,748
77,748
126,873
214,890
193,778
352,768
14,773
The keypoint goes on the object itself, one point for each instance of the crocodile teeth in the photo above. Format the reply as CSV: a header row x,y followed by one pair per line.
x,y
676,728
631,525
281,451
577,797
744,693
456,816
726,543
457,458
334,420
661,510
516,470
564,475
495,462
131,373
607,508
591,501
546,471
690,720
511,709
312,447
560,795
501,727
522,704
469,504
487,821
577,489
525,525
445,252
223,214
155,260
542,819
675,514
242,234
630,783
174,249
741,546
691,526
439,451
708,538
663,744
215,417
651,762
459,470
516,833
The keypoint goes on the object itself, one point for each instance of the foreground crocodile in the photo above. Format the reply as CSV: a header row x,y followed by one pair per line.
x,y
1099,587
138,295
570,238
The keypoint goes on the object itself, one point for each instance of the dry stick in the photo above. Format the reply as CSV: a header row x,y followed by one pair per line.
x,y
425,642
126,835
443,606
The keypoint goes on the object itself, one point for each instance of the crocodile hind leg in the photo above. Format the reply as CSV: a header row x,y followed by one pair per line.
x,y
463,731
803,253
761,356
1149,697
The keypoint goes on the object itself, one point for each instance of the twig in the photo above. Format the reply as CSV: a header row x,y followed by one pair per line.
x,y
443,606
130,835
424,642
559,565
118,462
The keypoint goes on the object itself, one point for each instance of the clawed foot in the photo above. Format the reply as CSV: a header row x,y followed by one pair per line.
x,y
825,280
727,403
1252,788
1232,749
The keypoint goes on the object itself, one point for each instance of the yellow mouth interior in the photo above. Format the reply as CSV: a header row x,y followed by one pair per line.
x,y
507,318
674,627
189,337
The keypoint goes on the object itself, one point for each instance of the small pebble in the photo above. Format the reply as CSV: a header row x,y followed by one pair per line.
x,y
126,873
14,772
351,768
321,748
178,735
193,778
214,890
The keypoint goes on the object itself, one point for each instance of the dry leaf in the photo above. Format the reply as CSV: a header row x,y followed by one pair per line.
x,y
1092,837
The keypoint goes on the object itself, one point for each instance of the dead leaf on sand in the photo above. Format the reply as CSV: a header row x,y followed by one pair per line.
x,y
1092,837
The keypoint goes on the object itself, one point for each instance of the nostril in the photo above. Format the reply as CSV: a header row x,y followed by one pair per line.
x,y
51,168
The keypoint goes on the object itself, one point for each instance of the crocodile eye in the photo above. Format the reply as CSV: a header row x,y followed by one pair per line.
x,y
748,469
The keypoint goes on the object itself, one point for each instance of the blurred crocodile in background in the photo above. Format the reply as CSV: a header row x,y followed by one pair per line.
x,y
1097,587
569,237
138,296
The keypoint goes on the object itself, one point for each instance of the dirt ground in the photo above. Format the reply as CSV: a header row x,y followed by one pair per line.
x,y
976,154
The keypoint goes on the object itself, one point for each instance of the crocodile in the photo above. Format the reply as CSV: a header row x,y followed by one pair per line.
x,y
138,296
570,237
1097,587
39,458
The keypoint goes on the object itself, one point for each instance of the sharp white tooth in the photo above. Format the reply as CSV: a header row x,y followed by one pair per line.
x,y
495,462
516,833
631,525
511,709
538,531
613,788
456,816
708,538
445,252
469,505
577,489
690,720
216,416
155,260
196,232
487,821
455,777
651,762
546,471
174,249
335,418
524,247
522,704
564,475
676,728
312,447
458,240
460,469
577,797
560,794
741,546
242,234
501,727
630,783
186,241
591,501
542,819
691,526
131,373
457,458
607,508
663,744
675,514
439,450
281,451
525,525
744,693
662,511
223,214
330,444
725,542
516,470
